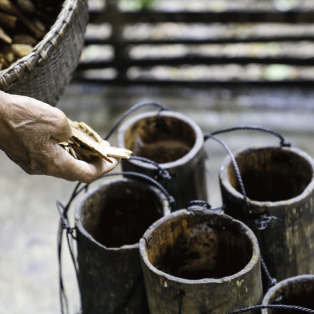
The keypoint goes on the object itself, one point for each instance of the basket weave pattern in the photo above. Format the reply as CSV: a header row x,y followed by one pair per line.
x,y
44,73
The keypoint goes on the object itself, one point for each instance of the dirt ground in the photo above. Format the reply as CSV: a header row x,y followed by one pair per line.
x,y
29,217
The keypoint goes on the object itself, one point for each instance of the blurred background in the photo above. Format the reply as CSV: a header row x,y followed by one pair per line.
x,y
220,62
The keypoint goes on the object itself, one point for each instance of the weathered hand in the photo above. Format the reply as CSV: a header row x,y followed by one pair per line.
x,y
30,133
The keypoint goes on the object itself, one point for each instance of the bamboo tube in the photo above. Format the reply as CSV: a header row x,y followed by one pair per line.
x,y
279,182
110,221
200,262
176,143
298,291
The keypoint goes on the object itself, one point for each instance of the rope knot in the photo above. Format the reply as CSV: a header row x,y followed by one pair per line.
x,y
68,229
284,143
163,174
263,221
272,282
171,201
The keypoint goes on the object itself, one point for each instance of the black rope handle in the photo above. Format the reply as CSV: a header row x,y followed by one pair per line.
x,y
64,224
271,281
283,142
234,163
204,205
263,220
162,173
135,107
255,307
273,306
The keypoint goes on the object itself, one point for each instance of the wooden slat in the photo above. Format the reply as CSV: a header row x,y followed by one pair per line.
x,y
122,63
290,17
197,83
127,42
194,60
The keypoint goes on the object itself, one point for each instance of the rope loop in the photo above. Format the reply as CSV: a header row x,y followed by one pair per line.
x,y
272,283
283,142
219,210
270,280
171,201
64,224
70,231
196,204
132,109
235,166
273,306
162,174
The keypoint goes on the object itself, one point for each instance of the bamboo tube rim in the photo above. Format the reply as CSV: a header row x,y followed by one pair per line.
x,y
77,213
199,137
266,204
183,212
285,284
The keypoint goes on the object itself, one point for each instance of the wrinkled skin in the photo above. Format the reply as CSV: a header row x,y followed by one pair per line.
x,y
30,131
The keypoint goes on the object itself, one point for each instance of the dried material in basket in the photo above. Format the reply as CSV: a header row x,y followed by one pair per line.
x,y
85,141
29,20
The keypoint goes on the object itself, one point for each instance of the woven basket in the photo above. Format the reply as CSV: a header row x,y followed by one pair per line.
x,y
44,73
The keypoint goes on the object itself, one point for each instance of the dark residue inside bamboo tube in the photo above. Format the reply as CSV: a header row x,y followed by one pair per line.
x,y
161,139
121,214
193,249
271,174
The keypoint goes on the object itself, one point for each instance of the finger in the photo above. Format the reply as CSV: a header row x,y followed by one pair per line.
x,y
67,167
62,130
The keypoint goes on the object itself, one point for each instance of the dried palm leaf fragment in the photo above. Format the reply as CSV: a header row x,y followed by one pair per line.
x,y
85,141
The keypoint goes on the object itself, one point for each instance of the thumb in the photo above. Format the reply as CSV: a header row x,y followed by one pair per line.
x,y
61,131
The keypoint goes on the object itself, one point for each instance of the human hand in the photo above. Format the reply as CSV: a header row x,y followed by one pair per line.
x,y
30,133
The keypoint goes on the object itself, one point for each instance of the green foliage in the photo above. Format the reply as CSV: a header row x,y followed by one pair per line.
x,y
136,4
146,3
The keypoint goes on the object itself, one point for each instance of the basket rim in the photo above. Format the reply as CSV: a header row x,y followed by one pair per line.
x,y
43,49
